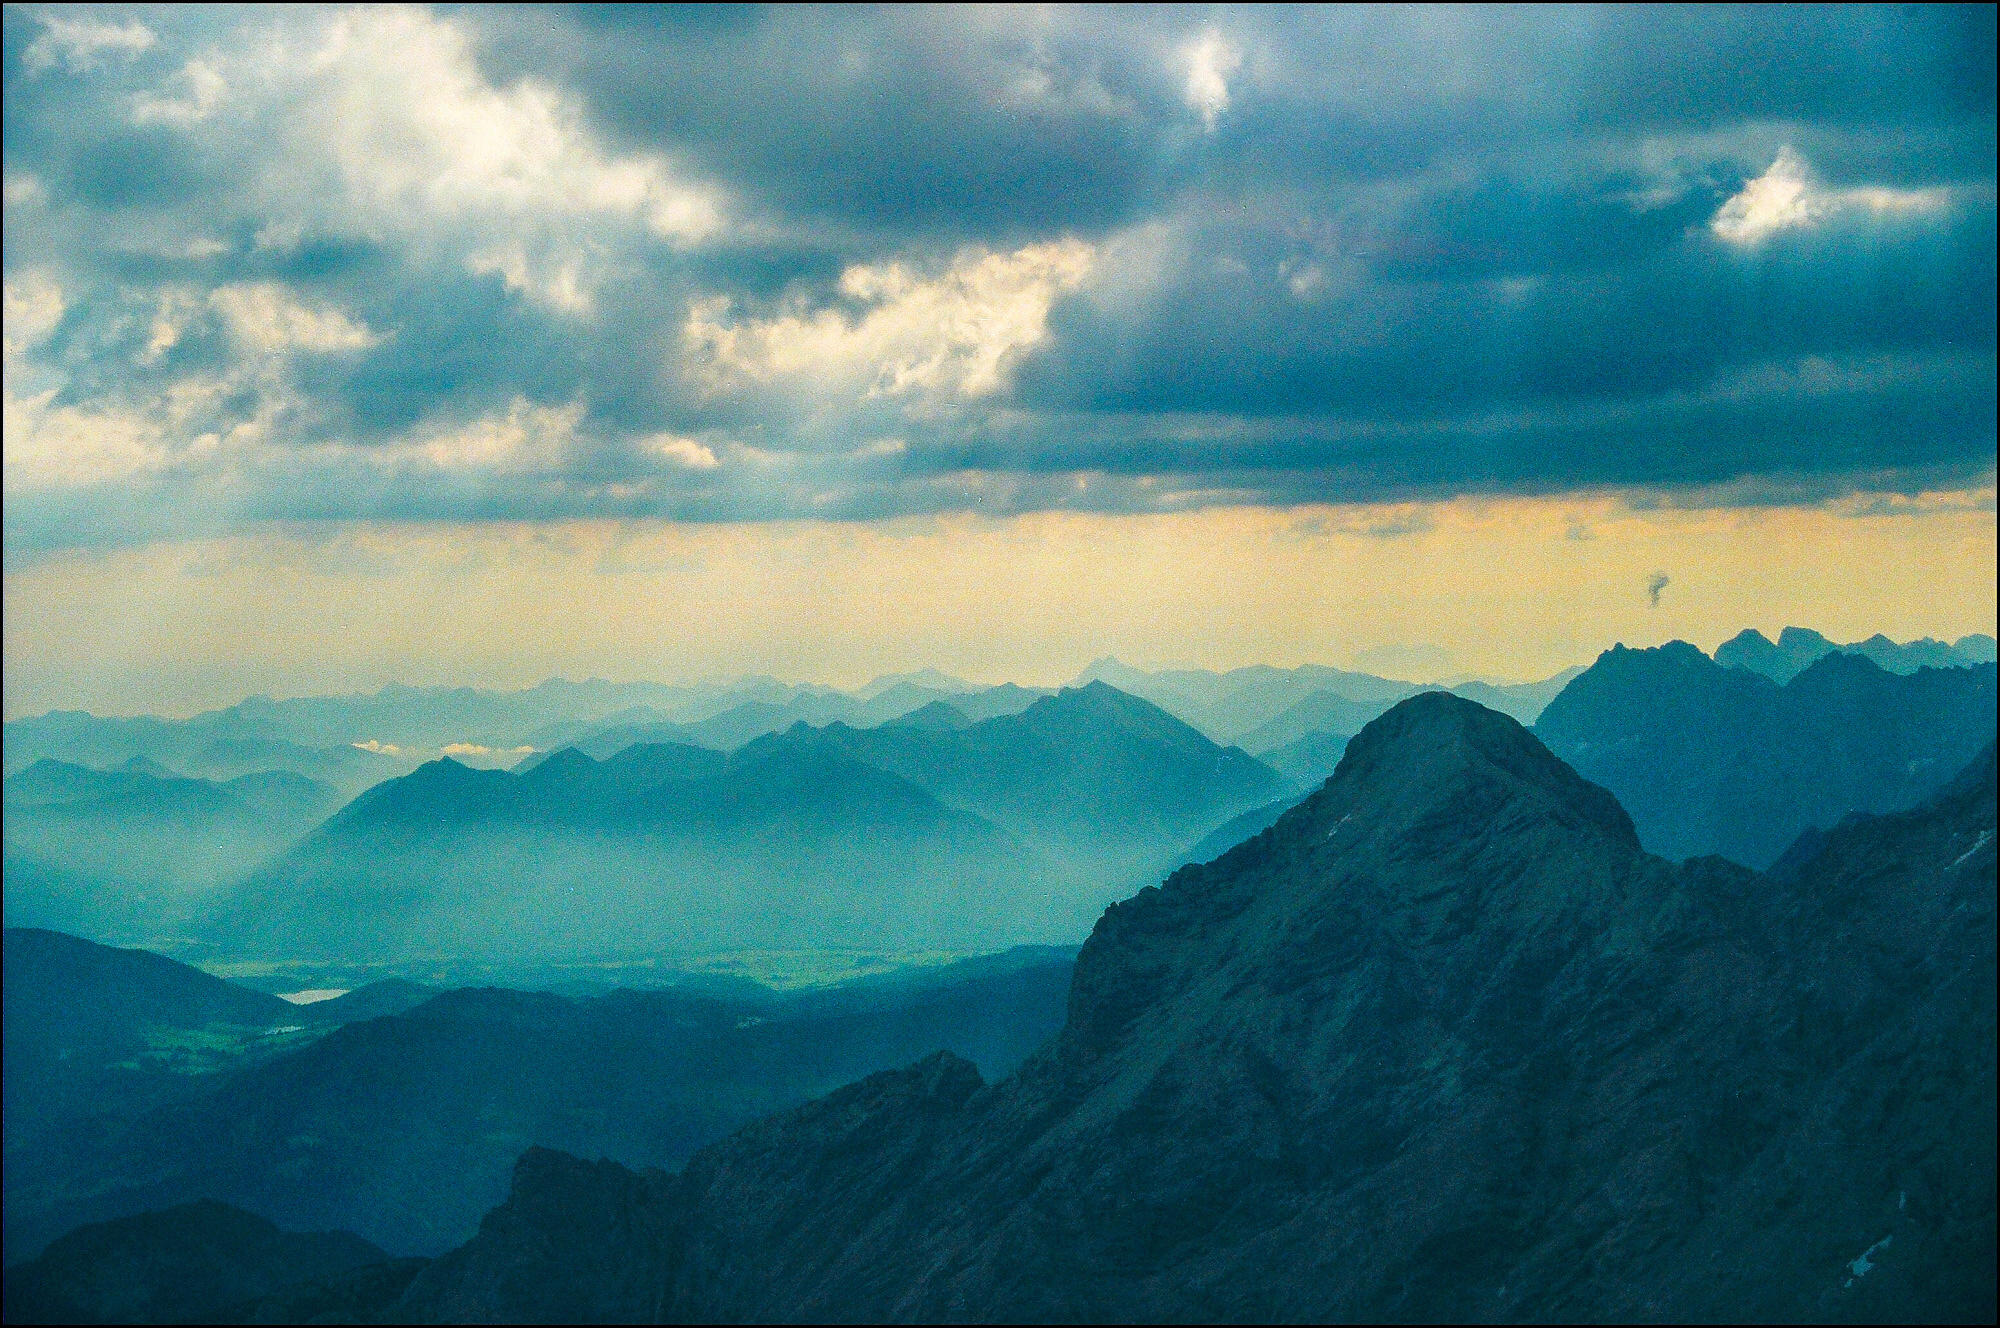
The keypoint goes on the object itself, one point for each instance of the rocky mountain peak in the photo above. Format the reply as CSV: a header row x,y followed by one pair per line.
x,y
1425,753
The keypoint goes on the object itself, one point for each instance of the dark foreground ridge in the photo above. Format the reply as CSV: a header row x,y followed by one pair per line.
x,y
188,1264
1442,1043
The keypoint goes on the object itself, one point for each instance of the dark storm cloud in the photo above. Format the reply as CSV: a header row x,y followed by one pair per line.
x,y
536,264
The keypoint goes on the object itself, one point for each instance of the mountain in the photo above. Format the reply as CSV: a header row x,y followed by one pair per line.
x,y
373,1001
187,1264
932,680
134,852
1798,648
397,726
343,766
1230,706
660,848
1017,828
405,1128
1523,701
1711,759
1308,761
936,715
1262,708
1321,712
732,728
90,1029
96,1034
1329,712
1444,1043
1106,782
993,702
1239,828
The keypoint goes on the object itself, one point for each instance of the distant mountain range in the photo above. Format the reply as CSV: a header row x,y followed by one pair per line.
x,y
138,830
1442,1043
1710,759
753,719
1798,648
1298,721
139,851
1015,828
352,742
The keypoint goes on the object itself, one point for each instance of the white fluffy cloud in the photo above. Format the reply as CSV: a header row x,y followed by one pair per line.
x,y
265,318
82,43
202,88
948,335
415,125
682,452
393,103
527,438
379,123
1211,62
1787,197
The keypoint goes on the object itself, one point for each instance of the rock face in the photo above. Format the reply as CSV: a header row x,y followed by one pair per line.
x,y
181,1265
1443,1043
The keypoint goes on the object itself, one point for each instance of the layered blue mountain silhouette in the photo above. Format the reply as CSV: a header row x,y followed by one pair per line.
x,y
1713,759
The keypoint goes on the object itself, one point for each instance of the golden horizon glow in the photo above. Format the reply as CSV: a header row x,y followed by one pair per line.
x,y
1508,588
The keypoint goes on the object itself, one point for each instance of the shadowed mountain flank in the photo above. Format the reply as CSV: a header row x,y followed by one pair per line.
x,y
90,1029
1442,1043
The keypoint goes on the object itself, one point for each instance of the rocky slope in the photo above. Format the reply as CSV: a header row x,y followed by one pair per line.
x,y
1443,1043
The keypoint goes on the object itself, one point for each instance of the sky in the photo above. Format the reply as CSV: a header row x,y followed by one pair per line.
x,y
476,345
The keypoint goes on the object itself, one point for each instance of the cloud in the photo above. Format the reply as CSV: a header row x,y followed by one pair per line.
x,y
420,127
34,305
527,438
205,88
82,43
379,748
1786,197
1655,584
683,452
50,444
476,750
1211,61
266,318
414,264
952,334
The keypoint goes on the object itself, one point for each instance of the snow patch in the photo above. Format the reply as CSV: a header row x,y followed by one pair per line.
x,y
1861,1266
